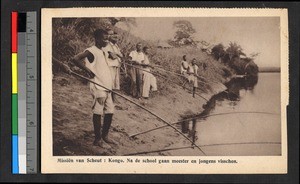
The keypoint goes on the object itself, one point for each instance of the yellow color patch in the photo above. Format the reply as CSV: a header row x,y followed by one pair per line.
x,y
14,67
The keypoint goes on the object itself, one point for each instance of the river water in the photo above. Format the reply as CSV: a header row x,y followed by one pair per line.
x,y
244,121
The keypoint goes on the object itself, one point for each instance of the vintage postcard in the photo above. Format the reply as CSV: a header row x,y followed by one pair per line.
x,y
164,90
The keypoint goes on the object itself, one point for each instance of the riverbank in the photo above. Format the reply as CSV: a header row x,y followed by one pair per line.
x,y
73,129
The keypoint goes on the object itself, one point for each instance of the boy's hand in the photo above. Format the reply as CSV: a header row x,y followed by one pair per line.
x,y
112,56
66,68
120,56
90,74
134,63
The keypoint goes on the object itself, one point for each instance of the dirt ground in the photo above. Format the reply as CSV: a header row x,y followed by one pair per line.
x,y
73,128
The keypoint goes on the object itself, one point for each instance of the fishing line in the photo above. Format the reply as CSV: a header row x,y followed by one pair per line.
x,y
180,75
152,113
200,117
163,78
208,145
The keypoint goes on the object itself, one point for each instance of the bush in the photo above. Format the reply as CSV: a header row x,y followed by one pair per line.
x,y
73,35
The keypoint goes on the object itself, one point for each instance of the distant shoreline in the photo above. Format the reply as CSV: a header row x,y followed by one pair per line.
x,y
269,70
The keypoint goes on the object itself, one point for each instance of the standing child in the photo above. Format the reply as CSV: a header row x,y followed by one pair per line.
x,y
115,56
184,66
96,65
149,80
193,75
136,57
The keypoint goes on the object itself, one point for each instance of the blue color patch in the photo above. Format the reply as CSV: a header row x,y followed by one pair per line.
x,y
15,155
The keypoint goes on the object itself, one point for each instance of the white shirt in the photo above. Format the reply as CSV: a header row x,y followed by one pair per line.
x,y
114,49
137,56
184,66
100,68
146,60
193,69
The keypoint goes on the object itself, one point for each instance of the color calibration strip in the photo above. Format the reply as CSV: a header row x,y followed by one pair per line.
x,y
14,65
24,93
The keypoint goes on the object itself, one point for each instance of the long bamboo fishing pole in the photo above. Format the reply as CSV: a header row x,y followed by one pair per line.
x,y
152,113
166,71
180,75
161,77
186,147
199,117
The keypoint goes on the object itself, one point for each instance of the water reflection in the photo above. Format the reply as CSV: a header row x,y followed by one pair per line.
x,y
232,94
189,127
236,85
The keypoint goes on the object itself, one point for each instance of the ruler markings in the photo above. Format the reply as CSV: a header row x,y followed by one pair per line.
x,y
31,93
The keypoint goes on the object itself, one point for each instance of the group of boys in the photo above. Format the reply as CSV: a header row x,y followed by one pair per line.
x,y
190,72
102,63
141,77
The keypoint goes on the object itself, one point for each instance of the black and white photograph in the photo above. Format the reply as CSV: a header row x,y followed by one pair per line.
x,y
160,86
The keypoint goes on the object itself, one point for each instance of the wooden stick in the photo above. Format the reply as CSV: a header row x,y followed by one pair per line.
x,y
164,78
178,74
186,147
199,117
140,106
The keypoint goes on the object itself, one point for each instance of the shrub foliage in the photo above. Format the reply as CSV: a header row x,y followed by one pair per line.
x,y
73,35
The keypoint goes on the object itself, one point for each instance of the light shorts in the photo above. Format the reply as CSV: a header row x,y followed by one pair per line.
x,y
102,101
193,79
185,75
115,72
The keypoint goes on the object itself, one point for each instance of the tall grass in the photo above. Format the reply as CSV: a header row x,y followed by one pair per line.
x,y
73,35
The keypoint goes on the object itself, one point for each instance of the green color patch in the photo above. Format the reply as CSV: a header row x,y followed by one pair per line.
x,y
14,114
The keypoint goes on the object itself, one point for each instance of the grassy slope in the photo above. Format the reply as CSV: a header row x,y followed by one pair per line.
x,y
73,129
72,116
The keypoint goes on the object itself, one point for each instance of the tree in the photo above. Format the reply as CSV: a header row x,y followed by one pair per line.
x,y
218,51
183,35
234,50
71,35
129,21
254,55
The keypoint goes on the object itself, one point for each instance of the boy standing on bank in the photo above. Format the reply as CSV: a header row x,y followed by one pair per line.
x,y
115,56
136,58
193,75
96,66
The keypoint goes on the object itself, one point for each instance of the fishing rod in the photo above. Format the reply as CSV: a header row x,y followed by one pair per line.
x,y
199,117
192,147
152,113
180,75
160,68
152,72
162,77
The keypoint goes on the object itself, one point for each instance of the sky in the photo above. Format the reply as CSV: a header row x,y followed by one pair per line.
x,y
254,34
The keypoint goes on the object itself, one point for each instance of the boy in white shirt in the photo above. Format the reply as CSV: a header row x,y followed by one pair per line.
x,y
193,75
136,57
96,66
114,59
149,80
184,66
